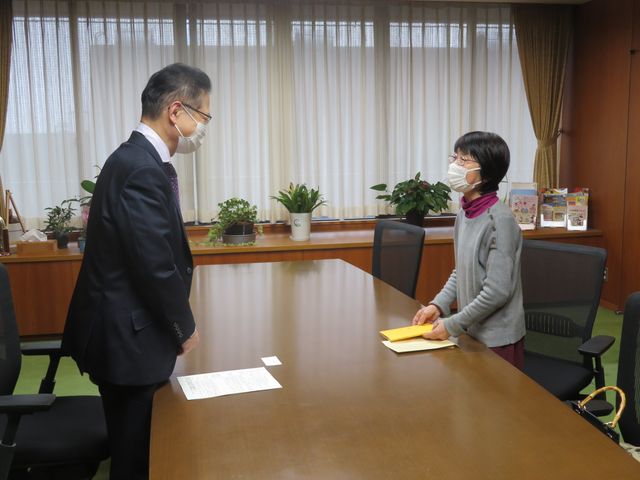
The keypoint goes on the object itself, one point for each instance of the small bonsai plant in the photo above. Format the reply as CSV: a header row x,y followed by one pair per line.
x,y
59,221
415,198
299,199
237,217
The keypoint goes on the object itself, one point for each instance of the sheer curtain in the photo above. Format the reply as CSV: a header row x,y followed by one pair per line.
x,y
232,43
77,71
337,96
453,70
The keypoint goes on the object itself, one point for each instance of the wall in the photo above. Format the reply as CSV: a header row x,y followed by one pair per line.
x,y
595,125
631,229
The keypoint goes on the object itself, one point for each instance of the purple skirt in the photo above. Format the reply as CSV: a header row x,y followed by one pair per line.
x,y
512,353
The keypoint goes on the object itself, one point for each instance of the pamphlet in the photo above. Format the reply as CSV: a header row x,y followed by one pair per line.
x,y
553,207
523,200
577,209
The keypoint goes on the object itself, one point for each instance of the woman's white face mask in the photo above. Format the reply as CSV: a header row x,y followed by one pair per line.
x,y
458,178
191,143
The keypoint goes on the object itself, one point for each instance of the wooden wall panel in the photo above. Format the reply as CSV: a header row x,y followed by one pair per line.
x,y
594,143
631,235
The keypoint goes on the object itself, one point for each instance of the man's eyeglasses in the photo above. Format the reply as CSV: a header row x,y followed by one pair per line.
x,y
459,159
205,115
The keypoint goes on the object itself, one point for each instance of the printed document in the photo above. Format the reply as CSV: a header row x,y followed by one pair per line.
x,y
216,384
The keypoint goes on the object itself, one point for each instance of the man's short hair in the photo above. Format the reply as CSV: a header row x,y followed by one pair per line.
x,y
174,82
491,152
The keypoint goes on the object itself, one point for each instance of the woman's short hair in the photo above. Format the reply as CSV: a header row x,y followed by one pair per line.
x,y
491,152
174,82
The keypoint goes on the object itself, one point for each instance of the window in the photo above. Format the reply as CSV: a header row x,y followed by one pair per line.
x,y
336,96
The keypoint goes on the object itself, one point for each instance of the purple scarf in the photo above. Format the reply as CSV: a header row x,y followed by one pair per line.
x,y
478,206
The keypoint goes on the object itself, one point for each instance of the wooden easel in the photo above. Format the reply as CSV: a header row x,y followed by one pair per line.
x,y
10,200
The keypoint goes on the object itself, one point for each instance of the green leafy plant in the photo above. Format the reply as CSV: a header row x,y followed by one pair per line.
x,y
299,199
236,216
88,186
59,218
416,195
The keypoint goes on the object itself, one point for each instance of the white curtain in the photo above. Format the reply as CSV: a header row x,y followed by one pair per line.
x,y
340,97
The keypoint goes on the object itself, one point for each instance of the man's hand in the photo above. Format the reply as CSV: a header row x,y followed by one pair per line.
x,y
439,332
428,314
190,343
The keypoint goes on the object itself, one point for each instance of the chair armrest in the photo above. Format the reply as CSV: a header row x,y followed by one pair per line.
x,y
42,347
53,349
596,346
25,404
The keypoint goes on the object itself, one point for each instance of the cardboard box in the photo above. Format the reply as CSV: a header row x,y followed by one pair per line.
x,y
37,248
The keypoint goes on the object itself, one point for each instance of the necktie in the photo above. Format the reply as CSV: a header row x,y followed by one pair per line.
x,y
172,175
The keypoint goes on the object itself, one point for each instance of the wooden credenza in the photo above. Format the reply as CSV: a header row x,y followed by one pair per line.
x,y
42,286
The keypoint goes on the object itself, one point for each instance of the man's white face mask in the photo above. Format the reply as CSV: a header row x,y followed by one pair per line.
x,y
191,143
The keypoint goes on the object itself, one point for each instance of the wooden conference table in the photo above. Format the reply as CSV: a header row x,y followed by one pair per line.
x,y
350,408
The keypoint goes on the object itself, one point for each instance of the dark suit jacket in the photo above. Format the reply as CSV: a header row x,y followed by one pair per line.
x,y
130,308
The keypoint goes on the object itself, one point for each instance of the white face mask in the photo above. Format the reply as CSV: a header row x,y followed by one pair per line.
x,y
458,178
191,143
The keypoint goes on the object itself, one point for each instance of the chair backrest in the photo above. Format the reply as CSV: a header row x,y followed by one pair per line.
x,y
397,252
629,370
10,357
561,286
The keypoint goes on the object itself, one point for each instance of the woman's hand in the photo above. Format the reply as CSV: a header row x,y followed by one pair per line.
x,y
439,332
428,314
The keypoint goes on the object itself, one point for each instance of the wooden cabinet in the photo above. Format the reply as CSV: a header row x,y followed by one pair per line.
x,y
42,286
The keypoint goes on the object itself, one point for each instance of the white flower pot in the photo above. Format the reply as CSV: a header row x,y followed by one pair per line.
x,y
300,226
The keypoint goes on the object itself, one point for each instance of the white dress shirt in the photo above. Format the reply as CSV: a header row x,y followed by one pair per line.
x,y
155,140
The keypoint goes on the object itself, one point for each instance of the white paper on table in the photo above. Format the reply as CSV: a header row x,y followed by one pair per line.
x,y
230,382
271,361
417,345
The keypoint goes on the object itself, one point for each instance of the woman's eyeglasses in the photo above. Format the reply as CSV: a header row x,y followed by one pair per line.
x,y
459,159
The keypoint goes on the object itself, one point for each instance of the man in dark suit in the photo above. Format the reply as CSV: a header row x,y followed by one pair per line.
x,y
130,316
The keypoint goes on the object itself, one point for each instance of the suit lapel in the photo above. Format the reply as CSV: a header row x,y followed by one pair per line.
x,y
140,140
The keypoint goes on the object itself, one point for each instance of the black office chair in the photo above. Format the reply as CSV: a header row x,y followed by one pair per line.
x,y
629,370
44,436
397,252
561,285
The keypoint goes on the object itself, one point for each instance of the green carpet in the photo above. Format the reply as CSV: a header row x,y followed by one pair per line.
x,y
70,382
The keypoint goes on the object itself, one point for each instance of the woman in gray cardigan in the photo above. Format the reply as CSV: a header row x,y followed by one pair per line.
x,y
487,244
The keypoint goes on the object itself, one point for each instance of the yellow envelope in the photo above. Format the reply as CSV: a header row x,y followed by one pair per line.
x,y
403,333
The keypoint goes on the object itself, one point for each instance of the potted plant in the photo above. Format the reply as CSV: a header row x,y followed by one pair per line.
x,y
300,201
415,198
236,221
88,186
59,221
82,238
